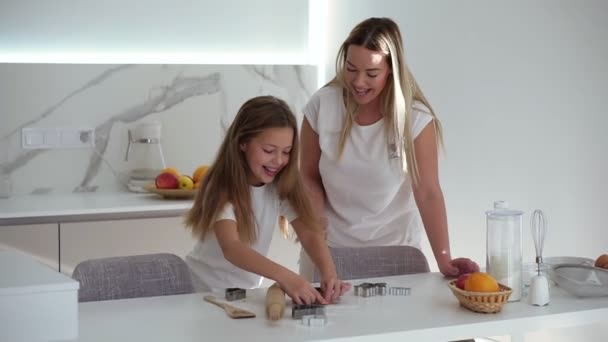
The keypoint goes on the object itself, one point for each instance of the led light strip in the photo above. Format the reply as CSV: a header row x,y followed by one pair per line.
x,y
151,57
317,18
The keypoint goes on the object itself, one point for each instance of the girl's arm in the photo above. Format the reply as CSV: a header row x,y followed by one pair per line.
x,y
309,168
315,246
429,198
243,256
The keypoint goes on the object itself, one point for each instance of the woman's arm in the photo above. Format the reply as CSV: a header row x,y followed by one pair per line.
x,y
431,204
243,256
315,246
309,167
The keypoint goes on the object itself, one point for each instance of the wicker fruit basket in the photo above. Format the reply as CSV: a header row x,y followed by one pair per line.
x,y
485,302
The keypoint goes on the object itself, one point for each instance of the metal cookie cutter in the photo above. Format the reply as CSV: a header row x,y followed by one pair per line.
x,y
370,289
399,291
314,320
300,310
235,294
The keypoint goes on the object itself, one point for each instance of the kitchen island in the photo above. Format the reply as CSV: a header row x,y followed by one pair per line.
x,y
430,313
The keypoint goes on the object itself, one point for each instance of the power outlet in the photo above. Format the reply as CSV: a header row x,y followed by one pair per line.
x,y
57,137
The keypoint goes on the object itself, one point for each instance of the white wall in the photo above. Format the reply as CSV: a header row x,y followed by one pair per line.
x,y
154,31
520,87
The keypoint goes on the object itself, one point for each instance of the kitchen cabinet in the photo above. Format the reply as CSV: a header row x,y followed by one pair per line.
x,y
38,240
63,230
87,240
79,226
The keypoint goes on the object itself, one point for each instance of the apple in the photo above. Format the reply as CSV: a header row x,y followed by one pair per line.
x,y
185,182
166,180
461,279
465,265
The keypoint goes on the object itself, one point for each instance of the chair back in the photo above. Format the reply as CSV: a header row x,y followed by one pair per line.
x,y
376,261
132,276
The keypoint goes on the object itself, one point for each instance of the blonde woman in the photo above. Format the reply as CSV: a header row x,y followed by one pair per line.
x,y
370,142
254,180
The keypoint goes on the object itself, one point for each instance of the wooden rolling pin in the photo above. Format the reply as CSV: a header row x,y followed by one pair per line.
x,y
275,302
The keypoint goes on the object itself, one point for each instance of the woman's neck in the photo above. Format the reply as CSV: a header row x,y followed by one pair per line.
x,y
369,113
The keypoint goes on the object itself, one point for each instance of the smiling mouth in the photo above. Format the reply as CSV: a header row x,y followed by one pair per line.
x,y
271,171
361,92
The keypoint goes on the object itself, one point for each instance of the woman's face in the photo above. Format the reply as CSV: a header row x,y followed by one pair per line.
x,y
366,72
267,154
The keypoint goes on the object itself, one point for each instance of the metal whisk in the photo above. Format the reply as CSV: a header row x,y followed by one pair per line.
x,y
538,225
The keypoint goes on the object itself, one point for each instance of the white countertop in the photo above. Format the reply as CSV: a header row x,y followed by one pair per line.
x,y
430,313
92,206
21,274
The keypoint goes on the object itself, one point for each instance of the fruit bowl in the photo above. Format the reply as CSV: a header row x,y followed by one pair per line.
x,y
484,302
170,193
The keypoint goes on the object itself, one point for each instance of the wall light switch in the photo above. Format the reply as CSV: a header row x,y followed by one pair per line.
x,y
57,137
31,138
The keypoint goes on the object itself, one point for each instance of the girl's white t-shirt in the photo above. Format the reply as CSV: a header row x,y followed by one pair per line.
x,y
211,270
369,201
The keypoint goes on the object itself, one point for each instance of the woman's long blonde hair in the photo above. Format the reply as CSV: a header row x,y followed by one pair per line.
x,y
227,181
399,93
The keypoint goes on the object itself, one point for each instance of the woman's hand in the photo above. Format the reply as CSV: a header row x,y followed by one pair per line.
x,y
300,290
333,287
458,266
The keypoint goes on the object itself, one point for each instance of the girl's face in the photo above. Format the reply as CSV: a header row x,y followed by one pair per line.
x,y
366,73
267,154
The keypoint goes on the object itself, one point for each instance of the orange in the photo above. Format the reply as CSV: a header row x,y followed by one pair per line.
x,y
172,170
481,282
199,173
197,185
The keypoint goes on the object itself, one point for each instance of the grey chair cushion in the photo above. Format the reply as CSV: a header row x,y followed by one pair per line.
x,y
377,261
132,276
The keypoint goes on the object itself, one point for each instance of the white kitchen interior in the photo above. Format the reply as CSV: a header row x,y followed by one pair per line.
x,y
519,86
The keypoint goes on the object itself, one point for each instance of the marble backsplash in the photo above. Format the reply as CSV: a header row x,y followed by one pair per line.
x,y
194,104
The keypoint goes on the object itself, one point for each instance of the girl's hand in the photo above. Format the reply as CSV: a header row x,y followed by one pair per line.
x,y
300,290
333,288
458,266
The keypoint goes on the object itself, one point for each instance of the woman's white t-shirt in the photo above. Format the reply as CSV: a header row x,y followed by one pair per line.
x,y
369,201
211,270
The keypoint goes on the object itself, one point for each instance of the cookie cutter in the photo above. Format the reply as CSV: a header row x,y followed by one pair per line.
x,y
370,289
314,320
300,310
400,291
235,293
380,289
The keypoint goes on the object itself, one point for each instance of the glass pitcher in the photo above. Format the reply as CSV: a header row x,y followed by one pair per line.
x,y
504,247
144,154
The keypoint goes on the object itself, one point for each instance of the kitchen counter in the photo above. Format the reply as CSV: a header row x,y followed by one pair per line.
x,y
78,207
430,313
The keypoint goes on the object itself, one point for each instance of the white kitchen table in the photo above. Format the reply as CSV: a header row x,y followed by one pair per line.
x,y
430,313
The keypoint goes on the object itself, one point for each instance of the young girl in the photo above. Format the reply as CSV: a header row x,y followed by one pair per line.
x,y
254,180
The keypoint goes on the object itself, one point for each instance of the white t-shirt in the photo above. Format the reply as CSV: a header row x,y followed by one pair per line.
x,y
211,270
369,201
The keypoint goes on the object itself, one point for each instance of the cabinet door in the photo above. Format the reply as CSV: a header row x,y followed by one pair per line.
x,y
90,240
39,241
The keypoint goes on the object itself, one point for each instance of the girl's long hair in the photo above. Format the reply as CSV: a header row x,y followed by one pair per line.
x,y
398,96
227,181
